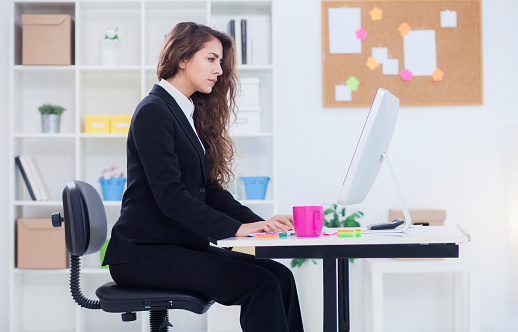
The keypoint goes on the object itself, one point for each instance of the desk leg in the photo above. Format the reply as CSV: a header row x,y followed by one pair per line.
x,y
343,295
330,295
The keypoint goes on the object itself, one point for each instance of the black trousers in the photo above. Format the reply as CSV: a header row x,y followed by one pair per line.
x,y
265,289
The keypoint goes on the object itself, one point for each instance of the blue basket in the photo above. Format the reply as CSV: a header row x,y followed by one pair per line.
x,y
255,186
112,188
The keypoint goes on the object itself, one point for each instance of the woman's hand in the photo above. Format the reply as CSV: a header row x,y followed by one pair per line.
x,y
280,222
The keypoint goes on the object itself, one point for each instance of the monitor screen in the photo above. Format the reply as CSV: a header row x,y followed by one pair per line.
x,y
374,141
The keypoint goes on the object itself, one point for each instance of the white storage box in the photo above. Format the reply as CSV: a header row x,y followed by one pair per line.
x,y
248,122
249,94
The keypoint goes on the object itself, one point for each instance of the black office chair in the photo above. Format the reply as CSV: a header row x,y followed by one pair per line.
x,y
85,233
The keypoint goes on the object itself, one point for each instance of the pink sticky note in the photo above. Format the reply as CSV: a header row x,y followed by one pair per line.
x,y
406,75
361,33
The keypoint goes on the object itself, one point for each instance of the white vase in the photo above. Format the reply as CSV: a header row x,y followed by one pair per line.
x,y
110,52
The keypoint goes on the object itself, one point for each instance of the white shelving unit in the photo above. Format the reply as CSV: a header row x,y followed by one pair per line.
x,y
39,300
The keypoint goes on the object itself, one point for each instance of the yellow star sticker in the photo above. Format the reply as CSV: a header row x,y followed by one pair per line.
x,y
404,28
372,63
376,14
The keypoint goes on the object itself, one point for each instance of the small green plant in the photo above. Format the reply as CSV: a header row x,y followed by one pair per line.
x,y
334,216
51,109
111,33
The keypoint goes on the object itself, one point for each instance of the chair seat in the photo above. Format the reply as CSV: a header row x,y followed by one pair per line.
x,y
115,298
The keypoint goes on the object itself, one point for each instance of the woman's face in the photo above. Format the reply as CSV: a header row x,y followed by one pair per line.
x,y
202,70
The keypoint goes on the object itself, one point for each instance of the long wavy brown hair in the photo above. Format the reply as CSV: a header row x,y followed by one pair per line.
x,y
212,112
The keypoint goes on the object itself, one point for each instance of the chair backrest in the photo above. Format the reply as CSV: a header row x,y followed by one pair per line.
x,y
85,218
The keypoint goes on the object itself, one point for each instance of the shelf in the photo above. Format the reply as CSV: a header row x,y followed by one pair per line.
x,y
43,271
109,69
249,5
89,88
58,203
243,68
107,135
118,203
112,203
44,136
46,2
256,201
253,135
44,68
87,270
110,5
111,136
95,270
70,135
38,203
254,67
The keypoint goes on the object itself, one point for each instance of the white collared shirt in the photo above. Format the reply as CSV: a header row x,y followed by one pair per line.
x,y
185,104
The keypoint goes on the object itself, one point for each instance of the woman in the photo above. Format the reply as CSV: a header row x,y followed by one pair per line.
x,y
179,156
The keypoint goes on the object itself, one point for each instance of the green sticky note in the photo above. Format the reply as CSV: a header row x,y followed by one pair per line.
x,y
353,83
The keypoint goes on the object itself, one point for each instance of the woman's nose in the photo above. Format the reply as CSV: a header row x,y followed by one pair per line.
x,y
219,70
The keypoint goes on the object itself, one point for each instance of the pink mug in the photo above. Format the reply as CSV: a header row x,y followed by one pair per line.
x,y
308,220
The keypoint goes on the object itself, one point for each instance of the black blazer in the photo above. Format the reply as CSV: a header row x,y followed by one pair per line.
x,y
168,202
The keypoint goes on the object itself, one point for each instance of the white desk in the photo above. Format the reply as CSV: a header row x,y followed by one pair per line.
x,y
424,242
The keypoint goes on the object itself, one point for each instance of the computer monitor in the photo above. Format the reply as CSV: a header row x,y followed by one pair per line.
x,y
371,152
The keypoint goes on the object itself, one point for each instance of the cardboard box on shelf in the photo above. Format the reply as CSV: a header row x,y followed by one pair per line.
x,y
47,39
39,245
427,217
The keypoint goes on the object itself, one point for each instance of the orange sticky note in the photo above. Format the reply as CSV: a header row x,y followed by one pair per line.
x,y
372,63
437,75
267,236
350,232
404,28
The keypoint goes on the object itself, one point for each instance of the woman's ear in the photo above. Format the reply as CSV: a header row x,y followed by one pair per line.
x,y
183,63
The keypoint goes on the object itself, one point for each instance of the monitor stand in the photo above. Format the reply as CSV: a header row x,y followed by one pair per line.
x,y
408,219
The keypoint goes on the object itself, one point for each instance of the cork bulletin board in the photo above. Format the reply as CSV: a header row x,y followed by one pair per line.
x,y
425,52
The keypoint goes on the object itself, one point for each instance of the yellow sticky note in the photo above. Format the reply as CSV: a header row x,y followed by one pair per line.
x,y
376,14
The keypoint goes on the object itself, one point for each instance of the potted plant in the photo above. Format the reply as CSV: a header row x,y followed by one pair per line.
x,y
50,117
112,183
334,216
110,47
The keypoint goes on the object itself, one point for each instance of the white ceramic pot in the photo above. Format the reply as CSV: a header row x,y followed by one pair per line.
x,y
110,52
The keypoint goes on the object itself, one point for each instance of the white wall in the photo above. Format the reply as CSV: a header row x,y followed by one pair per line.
x,y
451,158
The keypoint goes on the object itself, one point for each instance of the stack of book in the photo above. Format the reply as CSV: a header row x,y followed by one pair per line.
x,y
239,30
32,177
